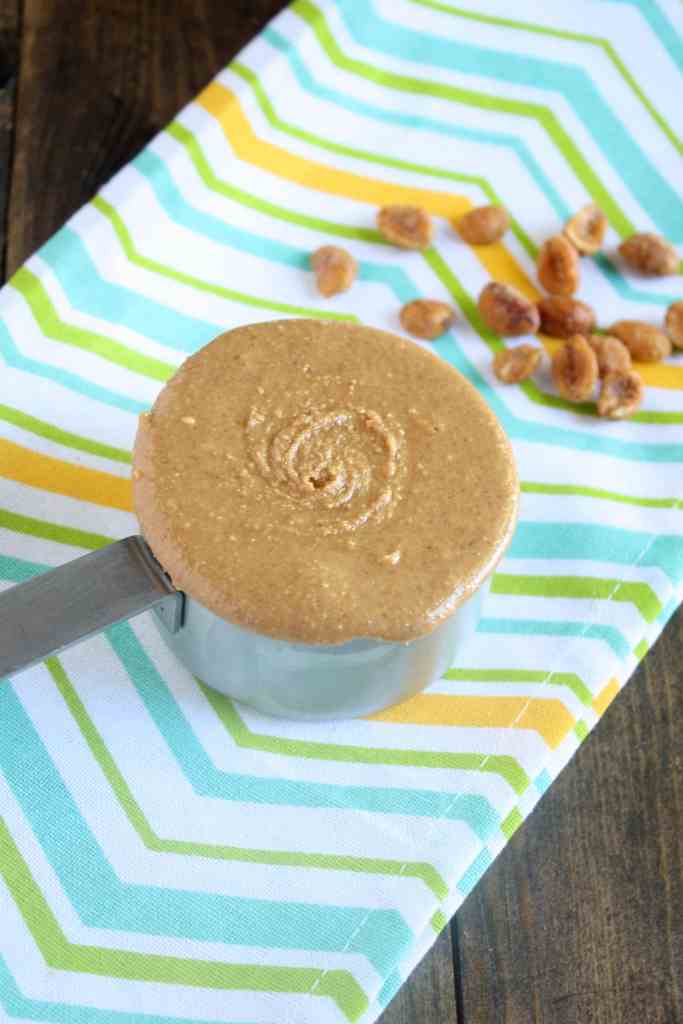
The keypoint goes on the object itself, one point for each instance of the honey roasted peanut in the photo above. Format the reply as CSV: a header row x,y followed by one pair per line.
x,y
426,318
575,369
506,311
650,254
512,365
674,323
586,229
483,225
335,269
558,266
621,395
612,354
409,227
562,316
645,342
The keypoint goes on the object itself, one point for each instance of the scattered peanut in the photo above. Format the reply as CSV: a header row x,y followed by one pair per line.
x,y
426,318
575,369
621,395
506,311
409,227
586,229
674,323
562,316
650,254
512,365
612,354
335,269
558,266
483,225
646,343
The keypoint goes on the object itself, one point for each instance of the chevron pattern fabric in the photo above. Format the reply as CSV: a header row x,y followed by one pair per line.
x,y
167,856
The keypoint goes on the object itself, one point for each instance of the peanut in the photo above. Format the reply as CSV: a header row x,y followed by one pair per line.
x,y
674,323
562,316
612,354
575,369
426,318
586,229
621,395
512,365
506,311
483,225
646,343
650,254
335,269
409,227
558,266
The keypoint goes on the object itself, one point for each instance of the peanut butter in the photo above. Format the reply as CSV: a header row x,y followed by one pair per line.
x,y
319,482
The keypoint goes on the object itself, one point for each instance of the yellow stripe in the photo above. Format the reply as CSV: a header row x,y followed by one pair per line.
x,y
548,717
224,105
605,697
59,477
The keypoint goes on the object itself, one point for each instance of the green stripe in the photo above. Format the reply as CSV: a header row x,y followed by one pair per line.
x,y
52,531
641,649
62,955
588,587
311,13
576,37
507,767
530,389
51,324
438,921
134,256
512,823
530,487
514,675
48,430
282,858
363,154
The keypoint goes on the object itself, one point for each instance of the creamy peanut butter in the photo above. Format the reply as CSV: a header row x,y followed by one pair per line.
x,y
318,482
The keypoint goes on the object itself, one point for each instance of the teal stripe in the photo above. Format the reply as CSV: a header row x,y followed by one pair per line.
x,y
13,357
547,627
617,145
16,1004
180,210
661,26
87,291
560,540
475,811
389,988
102,900
311,85
481,862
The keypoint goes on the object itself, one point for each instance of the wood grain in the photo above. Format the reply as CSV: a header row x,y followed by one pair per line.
x,y
580,919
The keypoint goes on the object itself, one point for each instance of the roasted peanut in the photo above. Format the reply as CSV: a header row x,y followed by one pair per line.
x,y
612,354
506,311
586,229
409,227
674,323
646,343
575,369
650,254
335,269
621,395
483,225
426,318
512,365
558,266
562,316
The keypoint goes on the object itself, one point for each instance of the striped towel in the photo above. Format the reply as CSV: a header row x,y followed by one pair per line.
x,y
299,870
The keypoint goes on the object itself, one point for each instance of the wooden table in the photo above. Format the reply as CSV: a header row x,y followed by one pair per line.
x,y
581,917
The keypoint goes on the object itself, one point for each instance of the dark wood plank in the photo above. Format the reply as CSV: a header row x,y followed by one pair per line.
x,y
9,62
97,79
428,997
581,917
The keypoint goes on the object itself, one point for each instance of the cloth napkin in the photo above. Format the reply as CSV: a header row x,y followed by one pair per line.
x,y
165,854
